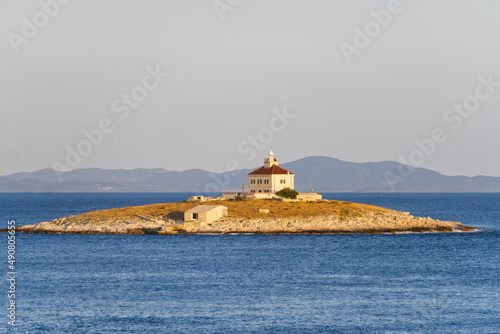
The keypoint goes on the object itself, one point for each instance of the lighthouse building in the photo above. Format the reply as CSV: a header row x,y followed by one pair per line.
x,y
270,178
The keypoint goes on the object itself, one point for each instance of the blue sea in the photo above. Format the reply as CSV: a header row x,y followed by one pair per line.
x,y
403,283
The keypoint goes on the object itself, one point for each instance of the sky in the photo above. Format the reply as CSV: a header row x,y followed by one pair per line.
x,y
212,84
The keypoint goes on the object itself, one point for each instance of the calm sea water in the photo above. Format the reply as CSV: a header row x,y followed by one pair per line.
x,y
405,283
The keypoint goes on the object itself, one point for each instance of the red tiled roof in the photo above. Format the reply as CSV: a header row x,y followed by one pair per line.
x,y
270,170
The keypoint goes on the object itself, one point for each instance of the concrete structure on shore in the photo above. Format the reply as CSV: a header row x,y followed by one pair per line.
x,y
196,199
270,178
205,213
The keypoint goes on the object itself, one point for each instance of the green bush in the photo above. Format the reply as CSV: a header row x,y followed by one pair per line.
x,y
287,193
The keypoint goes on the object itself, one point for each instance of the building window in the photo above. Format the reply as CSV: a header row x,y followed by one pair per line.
x,y
195,216
282,181
259,181
266,181
252,181
252,191
260,190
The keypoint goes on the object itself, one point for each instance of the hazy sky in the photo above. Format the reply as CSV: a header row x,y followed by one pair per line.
x,y
246,75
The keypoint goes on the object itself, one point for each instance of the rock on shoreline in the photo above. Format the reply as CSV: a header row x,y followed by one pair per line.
x,y
256,216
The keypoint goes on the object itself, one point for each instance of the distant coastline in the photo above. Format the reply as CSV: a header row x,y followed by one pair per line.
x,y
330,175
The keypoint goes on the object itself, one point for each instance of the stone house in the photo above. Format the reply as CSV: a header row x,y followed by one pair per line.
x,y
270,178
205,213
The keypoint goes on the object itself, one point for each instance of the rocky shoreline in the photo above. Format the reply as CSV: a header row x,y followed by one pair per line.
x,y
326,217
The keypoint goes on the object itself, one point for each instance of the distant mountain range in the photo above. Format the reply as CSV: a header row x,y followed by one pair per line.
x,y
328,175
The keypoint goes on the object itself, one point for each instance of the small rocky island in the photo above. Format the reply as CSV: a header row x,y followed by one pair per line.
x,y
260,216
271,205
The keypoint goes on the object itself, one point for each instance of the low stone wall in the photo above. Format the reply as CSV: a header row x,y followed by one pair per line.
x,y
262,196
300,196
309,196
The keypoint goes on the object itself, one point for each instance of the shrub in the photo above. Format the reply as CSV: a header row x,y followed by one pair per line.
x,y
287,193
240,197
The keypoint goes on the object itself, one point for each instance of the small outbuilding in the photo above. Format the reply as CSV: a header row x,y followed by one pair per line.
x,y
193,199
205,213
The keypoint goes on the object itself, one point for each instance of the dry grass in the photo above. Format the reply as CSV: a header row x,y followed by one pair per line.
x,y
244,217
238,209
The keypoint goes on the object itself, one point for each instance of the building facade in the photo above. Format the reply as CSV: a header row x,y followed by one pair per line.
x,y
270,178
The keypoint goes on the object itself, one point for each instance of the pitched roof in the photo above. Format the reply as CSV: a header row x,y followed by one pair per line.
x,y
274,169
